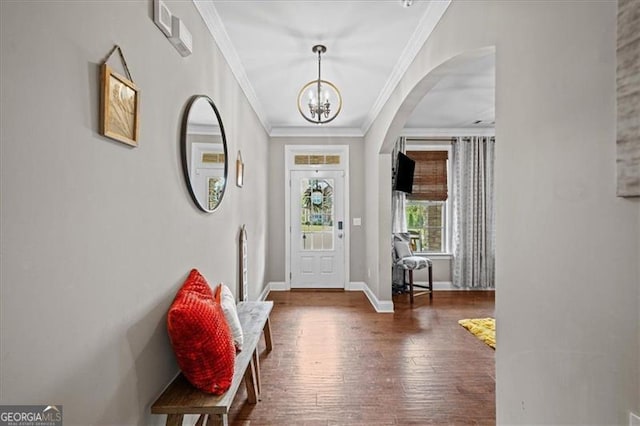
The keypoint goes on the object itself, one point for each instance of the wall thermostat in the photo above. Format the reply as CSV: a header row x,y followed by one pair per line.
x,y
181,37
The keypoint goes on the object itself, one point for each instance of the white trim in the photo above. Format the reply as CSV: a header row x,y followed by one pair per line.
x,y
435,256
217,29
278,286
355,286
432,15
289,153
447,132
411,145
317,131
203,129
448,286
381,306
265,292
441,285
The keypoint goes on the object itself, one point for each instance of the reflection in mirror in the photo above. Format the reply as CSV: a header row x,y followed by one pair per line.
x,y
204,152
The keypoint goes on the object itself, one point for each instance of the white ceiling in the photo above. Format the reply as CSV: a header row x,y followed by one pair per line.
x,y
370,44
462,98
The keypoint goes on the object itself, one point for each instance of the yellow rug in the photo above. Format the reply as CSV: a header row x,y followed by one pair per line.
x,y
483,328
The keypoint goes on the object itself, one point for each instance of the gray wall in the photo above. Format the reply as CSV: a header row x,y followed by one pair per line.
x,y
276,244
441,271
98,236
567,292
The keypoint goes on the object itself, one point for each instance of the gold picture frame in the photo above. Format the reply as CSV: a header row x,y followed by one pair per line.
x,y
120,107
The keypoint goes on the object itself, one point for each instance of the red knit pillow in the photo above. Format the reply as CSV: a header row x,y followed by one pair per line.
x,y
200,336
197,284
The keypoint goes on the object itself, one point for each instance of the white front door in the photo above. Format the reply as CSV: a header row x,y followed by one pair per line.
x,y
317,229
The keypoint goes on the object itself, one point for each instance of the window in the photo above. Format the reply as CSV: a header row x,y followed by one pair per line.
x,y
427,208
316,213
426,222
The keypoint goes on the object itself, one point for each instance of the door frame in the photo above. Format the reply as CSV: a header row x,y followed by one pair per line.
x,y
290,151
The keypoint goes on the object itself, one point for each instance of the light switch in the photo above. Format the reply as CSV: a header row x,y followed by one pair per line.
x,y
357,221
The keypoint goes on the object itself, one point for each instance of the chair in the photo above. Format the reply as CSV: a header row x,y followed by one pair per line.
x,y
405,259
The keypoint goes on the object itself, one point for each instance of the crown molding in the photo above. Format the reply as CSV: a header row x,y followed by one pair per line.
x,y
428,22
214,23
203,129
317,132
447,132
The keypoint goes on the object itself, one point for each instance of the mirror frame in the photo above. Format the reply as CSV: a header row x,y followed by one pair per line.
x,y
183,149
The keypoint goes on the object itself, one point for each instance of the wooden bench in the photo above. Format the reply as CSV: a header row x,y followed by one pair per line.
x,y
180,397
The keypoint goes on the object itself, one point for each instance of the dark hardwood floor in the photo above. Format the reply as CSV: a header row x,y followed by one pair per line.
x,y
336,361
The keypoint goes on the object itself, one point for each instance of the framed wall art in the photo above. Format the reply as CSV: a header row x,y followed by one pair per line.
x,y
120,104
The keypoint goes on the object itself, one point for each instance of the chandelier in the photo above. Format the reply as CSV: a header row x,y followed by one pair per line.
x,y
316,97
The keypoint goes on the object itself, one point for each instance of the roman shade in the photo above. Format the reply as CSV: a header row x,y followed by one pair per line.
x,y
430,175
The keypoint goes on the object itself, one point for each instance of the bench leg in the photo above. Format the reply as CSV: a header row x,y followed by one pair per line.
x,y
217,420
256,360
250,383
174,419
267,335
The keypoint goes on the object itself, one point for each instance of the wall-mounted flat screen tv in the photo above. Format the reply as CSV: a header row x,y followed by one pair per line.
x,y
405,167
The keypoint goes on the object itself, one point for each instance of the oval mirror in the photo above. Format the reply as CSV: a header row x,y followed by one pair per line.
x,y
204,152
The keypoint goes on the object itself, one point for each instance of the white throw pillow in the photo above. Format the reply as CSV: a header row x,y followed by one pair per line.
x,y
228,303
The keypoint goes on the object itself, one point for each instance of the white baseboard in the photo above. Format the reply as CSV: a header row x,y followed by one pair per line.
x,y
443,285
278,286
265,292
382,307
439,285
355,286
272,286
448,285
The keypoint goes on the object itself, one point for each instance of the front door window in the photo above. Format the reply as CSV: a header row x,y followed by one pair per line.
x,y
317,214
